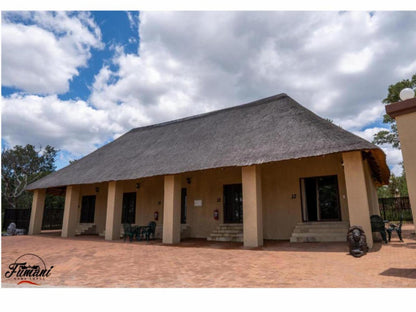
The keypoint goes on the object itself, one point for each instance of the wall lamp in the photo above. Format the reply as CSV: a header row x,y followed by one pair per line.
x,y
137,185
188,180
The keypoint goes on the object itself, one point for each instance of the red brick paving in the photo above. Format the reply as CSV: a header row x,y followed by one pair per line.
x,y
89,261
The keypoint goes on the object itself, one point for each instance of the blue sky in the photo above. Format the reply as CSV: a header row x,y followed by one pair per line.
x,y
117,28
78,80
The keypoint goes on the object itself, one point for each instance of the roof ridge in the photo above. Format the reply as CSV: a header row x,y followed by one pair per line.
x,y
249,104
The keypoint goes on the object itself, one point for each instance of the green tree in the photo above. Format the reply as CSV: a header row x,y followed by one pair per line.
x,y
21,166
396,187
386,136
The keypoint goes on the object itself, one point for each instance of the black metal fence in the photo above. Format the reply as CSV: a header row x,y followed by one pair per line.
x,y
52,218
393,208
20,217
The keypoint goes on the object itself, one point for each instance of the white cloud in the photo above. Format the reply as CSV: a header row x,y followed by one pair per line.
x,y
338,65
394,159
353,62
244,56
42,51
368,134
393,155
68,125
133,19
363,117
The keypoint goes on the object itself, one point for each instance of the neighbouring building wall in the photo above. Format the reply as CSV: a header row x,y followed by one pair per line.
x,y
406,125
280,180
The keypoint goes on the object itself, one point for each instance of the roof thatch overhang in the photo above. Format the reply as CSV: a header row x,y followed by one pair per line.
x,y
268,130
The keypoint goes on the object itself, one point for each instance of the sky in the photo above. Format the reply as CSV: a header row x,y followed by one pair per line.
x,y
78,80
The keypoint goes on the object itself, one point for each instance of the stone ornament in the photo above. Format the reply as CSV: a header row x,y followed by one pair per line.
x,y
357,241
13,230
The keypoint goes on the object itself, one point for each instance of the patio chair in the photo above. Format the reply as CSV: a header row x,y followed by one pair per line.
x,y
396,228
149,230
128,231
377,225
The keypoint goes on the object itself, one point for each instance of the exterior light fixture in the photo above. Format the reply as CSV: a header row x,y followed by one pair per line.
x,y
407,94
188,180
137,185
97,189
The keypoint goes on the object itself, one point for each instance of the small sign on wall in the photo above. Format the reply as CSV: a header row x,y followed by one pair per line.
x,y
198,203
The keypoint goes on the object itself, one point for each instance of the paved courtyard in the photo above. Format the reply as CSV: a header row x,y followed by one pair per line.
x,y
89,261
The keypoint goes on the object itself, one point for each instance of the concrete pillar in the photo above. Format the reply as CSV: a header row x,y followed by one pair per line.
x,y
36,215
252,207
371,191
69,222
405,114
357,195
406,126
172,210
114,209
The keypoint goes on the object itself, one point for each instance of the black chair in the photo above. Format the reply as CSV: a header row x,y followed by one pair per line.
x,y
396,228
128,232
377,225
149,230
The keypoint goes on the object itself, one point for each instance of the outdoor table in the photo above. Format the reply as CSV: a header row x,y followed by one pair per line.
x,y
138,229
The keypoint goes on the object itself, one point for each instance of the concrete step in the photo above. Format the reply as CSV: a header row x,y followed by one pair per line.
x,y
323,225
320,232
225,239
85,229
231,225
317,238
227,233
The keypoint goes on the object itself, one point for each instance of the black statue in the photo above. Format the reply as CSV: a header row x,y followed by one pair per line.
x,y
357,241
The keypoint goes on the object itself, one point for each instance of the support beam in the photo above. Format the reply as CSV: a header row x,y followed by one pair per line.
x,y
406,126
172,210
36,215
69,222
357,195
405,114
114,209
252,206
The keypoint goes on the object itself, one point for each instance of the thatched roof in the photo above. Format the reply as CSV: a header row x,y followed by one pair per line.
x,y
272,129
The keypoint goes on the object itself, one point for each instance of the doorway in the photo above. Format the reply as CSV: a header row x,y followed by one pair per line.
x,y
129,208
233,203
87,209
320,199
183,206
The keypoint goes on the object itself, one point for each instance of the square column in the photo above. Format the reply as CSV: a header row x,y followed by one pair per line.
x,y
36,215
114,209
172,210
252,206
357,194
69,222
406,126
